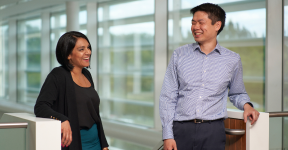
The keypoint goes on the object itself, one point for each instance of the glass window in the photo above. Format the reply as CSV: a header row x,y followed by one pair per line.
x,y
83,20
244,33
126,61
4,49
28,60
57,28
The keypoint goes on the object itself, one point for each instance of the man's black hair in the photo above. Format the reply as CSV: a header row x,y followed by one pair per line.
x,y
65,45
215,13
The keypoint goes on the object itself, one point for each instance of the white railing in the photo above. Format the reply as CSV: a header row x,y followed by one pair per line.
x,y
257,135
41,133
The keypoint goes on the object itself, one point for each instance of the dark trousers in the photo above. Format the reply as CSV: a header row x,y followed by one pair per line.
x,y
199,136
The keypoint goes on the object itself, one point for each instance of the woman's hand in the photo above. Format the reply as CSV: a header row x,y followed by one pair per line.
x,y
66,134
105,148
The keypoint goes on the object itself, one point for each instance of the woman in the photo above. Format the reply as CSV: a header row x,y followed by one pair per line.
x,y
68,95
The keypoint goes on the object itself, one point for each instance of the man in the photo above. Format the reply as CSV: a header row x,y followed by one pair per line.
x,y
198,80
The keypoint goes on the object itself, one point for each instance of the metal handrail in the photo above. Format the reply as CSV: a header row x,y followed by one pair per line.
x,y
13,125
160,148
278,114
234,131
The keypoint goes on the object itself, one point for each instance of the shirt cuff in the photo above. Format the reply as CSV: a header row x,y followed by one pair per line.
x,y
242,103
249,104
167,133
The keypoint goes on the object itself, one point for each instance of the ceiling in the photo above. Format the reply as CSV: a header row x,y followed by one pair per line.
x,y
14,8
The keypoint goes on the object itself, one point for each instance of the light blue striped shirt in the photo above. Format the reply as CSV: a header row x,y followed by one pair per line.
x,y
196,86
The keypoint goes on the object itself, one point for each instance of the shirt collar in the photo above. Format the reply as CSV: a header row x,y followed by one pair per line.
x,y
217,48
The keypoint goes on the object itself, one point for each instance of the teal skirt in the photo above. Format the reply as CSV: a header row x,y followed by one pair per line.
x,y
90,139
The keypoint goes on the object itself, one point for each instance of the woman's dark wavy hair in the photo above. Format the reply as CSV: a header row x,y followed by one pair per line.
x,y
215,13
65,45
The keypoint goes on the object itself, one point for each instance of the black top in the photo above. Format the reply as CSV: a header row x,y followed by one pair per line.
x,y
57,100
88,102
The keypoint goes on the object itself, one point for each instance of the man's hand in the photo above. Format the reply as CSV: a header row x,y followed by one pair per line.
x,y
170,144
251,113
66,134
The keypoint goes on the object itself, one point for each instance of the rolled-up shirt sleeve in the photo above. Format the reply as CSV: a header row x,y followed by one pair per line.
x,y
168,98
237,93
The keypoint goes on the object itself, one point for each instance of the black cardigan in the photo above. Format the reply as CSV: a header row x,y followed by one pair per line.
x,y
57,100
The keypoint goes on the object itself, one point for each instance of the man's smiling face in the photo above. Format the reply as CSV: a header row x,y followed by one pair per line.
x,y
202,28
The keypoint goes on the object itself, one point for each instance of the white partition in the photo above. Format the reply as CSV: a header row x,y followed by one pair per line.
x,y
257,135
41,133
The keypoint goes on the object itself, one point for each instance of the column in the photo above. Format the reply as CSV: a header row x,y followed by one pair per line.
x,y
160,55
273,63
72,12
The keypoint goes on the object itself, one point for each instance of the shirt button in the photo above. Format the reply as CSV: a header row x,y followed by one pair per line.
x,y
206,57
204,70
200,97
202,84
197,110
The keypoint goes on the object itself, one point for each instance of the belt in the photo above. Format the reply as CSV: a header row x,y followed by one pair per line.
x,y
204,121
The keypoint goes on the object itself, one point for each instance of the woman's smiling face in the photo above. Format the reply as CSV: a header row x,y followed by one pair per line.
x,y
80,54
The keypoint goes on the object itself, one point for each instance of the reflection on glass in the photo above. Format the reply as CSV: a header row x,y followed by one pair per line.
x,y
4,76
118,144
28,60
244,33
126,61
